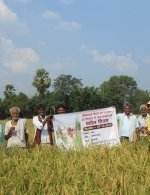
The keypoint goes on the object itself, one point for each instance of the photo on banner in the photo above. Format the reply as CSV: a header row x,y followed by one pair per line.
x,y
81,129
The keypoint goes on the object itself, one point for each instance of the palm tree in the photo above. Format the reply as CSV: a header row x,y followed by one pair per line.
x,y
9,91
41,81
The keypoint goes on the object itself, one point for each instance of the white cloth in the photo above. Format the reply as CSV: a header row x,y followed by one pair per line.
x,y
17,137
44,133
133,124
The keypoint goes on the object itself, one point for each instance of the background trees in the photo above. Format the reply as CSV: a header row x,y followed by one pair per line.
x,y
64,84
119,89
70,91
9,91
87,98
41,81
140,97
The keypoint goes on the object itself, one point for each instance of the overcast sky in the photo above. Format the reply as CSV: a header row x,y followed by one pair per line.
x,y
89,39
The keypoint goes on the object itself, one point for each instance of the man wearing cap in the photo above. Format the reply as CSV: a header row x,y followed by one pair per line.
x,y
129,125
142,120
148,106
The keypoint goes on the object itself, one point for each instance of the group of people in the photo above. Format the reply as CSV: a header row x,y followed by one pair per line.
x,y
131,127
16,131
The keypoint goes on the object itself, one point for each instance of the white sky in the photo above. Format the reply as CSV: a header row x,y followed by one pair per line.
x,y
91,40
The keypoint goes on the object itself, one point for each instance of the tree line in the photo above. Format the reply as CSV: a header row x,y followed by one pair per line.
x,y
69,91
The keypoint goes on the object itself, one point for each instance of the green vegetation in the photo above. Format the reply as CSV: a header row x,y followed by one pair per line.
x,y
122,170
70,91
42,82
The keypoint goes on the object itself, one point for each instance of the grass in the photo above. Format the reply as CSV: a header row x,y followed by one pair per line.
x,y
122,170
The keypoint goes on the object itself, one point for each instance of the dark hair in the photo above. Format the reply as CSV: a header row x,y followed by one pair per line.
x,y
126,104
41,106
60,106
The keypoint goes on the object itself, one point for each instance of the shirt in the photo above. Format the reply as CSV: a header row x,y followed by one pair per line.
x,y
44,130
17,137
126,129
143,123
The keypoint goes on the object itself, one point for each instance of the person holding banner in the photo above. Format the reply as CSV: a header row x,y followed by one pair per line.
x,y
42,125
61,109
129,125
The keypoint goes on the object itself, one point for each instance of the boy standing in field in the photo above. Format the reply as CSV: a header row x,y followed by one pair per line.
x,y
42,125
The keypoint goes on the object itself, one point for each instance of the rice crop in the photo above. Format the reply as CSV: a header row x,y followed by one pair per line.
x,y
122,170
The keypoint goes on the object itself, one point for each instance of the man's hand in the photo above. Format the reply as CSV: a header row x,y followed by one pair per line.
x,y
50,117
11,129
9,133
143,130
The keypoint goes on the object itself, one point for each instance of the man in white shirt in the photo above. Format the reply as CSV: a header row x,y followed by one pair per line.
x,y
16,132
42,125
128,124
142,120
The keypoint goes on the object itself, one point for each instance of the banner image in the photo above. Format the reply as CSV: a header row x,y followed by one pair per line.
x,y
85,128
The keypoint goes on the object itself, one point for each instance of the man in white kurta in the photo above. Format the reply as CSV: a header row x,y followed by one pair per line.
x,y
16,132
40,123
17,136
44,133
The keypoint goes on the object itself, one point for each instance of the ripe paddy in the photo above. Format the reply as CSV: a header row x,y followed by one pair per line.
x,y
94,171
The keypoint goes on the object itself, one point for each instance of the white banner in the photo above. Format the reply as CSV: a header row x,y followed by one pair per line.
x,y
86,128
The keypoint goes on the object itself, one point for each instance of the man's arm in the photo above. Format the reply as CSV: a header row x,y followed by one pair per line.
x,y
8,131
40,125
48,118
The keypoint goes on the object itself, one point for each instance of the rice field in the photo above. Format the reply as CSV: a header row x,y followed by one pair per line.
x,y
122,170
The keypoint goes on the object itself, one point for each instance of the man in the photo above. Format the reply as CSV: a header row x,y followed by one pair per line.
x,y
148,106
61,109
42,125
128,124
16,132
142,120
